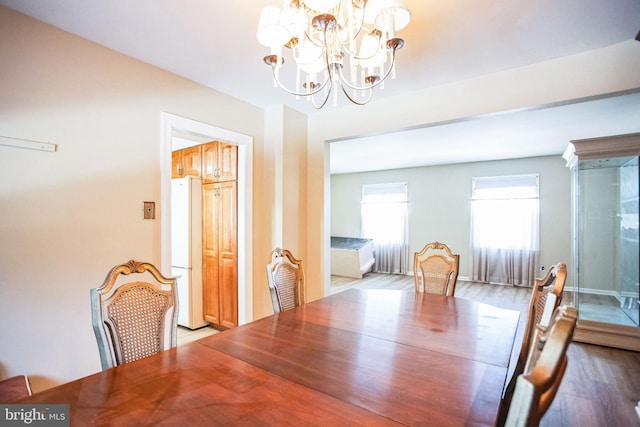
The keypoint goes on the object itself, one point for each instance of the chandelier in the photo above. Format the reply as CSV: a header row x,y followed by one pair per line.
x,y
347,43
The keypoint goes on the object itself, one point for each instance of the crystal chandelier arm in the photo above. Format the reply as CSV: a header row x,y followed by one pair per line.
x,y
374,53
324,101
310,39
369,97
286,89
375,83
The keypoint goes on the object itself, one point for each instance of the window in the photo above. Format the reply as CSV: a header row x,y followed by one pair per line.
x,y
384,219
504,229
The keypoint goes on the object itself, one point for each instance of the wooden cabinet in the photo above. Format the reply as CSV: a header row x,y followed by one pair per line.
x,y
186,162
220,254
214,162
219,162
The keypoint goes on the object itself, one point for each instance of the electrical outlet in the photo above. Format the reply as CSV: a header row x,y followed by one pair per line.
x,y
543,267
149,209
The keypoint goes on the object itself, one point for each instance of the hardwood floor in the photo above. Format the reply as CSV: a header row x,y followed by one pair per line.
x,y
601,386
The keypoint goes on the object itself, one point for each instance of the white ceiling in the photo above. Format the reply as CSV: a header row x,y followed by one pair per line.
x,y
530,133
213,43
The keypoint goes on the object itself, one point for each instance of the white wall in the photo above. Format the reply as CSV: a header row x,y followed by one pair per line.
x,y
440,204
69,216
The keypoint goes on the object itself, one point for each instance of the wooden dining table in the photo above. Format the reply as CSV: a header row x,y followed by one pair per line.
x,y
359,357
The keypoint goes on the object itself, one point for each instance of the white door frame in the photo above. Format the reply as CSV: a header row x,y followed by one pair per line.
x,y
172,125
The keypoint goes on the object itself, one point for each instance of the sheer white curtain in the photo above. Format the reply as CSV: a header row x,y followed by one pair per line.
x,y
505,229
384,219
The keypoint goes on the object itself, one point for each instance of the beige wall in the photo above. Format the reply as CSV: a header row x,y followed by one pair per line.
x,y
284,195
69,216
294,183
440,204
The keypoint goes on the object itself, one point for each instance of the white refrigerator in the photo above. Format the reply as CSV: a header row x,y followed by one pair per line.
x,y
186,249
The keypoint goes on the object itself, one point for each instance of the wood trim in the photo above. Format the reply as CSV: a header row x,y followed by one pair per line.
x,y
608,334
608,146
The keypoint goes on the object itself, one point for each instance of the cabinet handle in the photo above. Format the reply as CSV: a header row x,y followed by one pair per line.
x,y
216,192
216,172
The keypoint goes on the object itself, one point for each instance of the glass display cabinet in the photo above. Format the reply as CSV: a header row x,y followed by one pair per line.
x,y
606,239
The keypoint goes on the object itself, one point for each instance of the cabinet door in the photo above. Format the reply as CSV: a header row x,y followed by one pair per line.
x,y
228,162
220,254
192,161
210,162
186,162
210,290
228,254
219,162
176,164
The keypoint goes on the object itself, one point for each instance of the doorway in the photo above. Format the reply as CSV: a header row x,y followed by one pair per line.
x,y
179,127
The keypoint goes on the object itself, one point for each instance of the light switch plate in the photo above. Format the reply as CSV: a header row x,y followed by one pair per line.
x,y
149,209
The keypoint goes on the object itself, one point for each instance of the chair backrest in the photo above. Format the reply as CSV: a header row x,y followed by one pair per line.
x,y
285,275
14,388
435,269
134,313
546,296
537,386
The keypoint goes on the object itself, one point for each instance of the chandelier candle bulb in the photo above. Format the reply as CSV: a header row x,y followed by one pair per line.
x,y
341,38
326,91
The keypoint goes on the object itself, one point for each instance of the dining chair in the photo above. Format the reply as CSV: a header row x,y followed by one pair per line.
x,y
285,276
134,313
14,388
546,296
537,387
435,269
